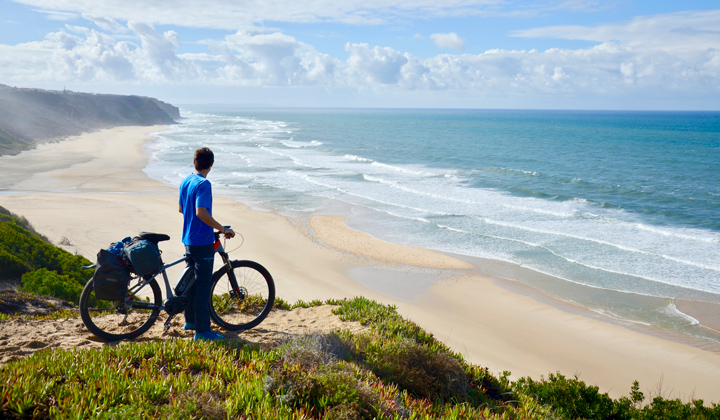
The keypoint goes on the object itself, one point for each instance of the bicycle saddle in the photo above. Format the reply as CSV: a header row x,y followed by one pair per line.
x,y
154,237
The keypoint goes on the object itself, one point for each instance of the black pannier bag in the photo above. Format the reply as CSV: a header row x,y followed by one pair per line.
x,y
111,277
143,256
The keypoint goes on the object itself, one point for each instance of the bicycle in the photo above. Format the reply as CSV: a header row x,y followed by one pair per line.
x,y
242,295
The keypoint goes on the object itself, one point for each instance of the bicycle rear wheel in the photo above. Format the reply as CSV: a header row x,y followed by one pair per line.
x,y
243,297
121,319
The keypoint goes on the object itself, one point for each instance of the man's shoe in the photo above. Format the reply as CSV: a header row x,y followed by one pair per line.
x,y
208,335
189,326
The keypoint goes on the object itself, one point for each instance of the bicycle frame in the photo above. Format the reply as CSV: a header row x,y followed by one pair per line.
x,y
169,295
163,270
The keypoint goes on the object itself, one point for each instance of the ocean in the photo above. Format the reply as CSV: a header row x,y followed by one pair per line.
x,y
615,211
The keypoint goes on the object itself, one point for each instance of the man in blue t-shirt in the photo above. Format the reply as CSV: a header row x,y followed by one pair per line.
x,y
198,237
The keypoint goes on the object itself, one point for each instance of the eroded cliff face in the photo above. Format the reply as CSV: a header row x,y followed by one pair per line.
x,y
29,116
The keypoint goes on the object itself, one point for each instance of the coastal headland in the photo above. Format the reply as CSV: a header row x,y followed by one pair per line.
x,y
31,116
91,190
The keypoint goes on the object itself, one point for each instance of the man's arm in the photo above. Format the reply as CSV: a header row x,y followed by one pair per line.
x,y
206,217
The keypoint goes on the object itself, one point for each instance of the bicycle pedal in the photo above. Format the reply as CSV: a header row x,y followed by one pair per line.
x,y
167,323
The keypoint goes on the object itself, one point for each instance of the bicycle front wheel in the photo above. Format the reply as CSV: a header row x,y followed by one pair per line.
x,y
242,297
121,319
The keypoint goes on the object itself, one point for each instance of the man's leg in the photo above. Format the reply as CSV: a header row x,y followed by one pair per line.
x,y
190,308
198,310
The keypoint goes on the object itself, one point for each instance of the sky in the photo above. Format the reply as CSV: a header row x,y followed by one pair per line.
x,y
543,54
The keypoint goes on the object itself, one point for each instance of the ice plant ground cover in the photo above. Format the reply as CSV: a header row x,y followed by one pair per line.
x,y
394,369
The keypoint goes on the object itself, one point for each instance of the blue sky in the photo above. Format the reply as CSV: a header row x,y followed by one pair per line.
x,y
560,54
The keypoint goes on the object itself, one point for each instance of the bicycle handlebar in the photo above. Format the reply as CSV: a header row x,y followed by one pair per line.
x,y
218,233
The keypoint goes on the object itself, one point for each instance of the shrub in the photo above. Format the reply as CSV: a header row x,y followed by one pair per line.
x,y
571,398
11,267
325,375
311,375
390,327
315,349
384,319
331,391
421,371
22,253
661,408
49,283
8,216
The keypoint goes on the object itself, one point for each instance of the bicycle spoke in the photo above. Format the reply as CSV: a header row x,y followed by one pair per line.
x,y
118,320
242,298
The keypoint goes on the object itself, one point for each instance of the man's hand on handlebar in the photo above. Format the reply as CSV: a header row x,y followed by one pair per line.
x,y
229,233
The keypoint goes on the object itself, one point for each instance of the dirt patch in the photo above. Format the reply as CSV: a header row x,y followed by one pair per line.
x,y
14,302
21,338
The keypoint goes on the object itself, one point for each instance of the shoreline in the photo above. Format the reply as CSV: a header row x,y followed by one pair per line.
x,y
92,190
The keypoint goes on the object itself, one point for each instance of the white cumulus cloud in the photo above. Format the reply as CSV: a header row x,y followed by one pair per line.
x,y
450,40
375,64
637,60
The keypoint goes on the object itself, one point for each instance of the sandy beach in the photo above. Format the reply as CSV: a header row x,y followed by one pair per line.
x,y
92,191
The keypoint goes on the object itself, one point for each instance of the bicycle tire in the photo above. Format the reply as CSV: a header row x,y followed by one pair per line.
x,y
245,304
118,320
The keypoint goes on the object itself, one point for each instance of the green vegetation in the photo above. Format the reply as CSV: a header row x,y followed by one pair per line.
x,y
8,216
394,370
41,267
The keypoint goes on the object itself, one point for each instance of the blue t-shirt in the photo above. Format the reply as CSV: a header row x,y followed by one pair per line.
x,y
196,191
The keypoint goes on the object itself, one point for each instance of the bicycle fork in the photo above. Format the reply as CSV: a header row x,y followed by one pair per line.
x,y
235,290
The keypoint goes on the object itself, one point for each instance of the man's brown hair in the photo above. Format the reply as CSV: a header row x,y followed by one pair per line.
x,y
204,158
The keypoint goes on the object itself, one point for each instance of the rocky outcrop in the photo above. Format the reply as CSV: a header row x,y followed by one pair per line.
x,y
29,116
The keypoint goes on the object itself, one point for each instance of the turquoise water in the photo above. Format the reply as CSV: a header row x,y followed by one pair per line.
x,y
617,207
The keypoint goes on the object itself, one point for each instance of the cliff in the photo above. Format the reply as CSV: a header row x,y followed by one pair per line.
x,y
29,116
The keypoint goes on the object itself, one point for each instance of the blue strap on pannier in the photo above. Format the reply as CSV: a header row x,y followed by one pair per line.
x,y
116,248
